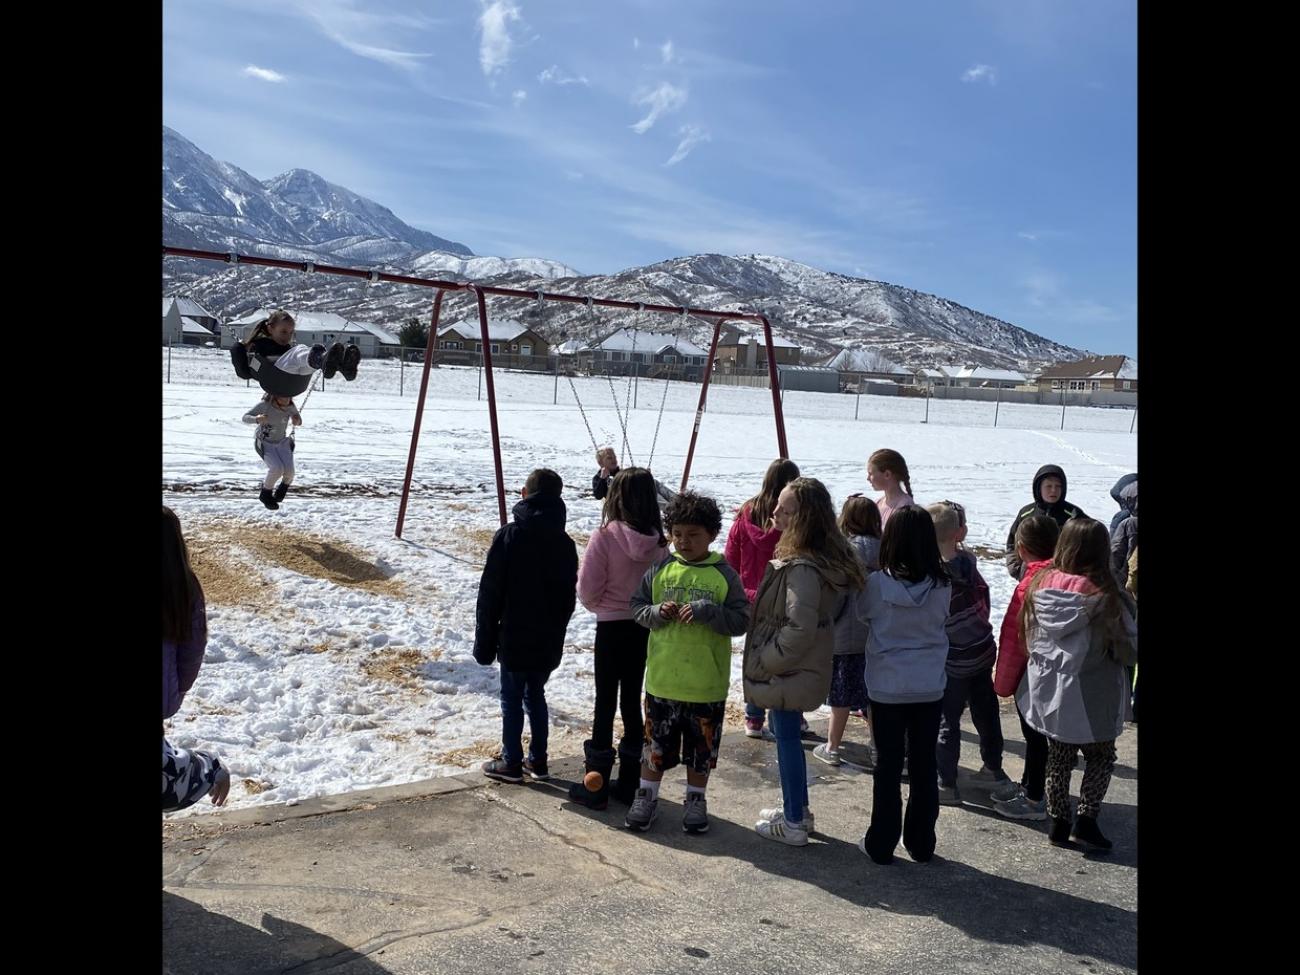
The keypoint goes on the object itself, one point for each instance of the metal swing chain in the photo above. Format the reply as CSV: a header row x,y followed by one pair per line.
x,y
663,400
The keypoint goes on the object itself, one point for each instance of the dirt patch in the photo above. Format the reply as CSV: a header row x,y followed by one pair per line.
x,y
224,583
399,666
582,538
735,715
300,552
477,541
985,552
253,786
469,755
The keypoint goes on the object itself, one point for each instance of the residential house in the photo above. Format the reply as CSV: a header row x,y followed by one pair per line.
x,y
1114,373
649,354
738,349
512,344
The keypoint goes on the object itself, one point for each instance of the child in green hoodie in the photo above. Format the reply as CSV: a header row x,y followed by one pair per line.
x,y
693,603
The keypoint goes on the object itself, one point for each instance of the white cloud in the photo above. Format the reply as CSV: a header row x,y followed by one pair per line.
x,y
664,99
1027,236
692,135
666,51
266,74
519,96
636,43
495,44
365,33
554,74
981,72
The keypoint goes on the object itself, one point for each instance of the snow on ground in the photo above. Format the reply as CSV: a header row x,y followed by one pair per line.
x,y
339,657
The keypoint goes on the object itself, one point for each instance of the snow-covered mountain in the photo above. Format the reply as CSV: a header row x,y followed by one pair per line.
x,y
206,199
299,216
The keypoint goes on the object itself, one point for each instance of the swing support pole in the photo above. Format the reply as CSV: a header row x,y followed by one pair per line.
x,y
782,449
699,410
492,402
419,411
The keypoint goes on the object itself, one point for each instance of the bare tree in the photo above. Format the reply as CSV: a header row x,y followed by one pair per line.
x,y
873,360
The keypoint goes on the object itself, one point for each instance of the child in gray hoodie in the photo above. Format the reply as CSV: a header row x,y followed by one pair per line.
x,y
906,607
274,444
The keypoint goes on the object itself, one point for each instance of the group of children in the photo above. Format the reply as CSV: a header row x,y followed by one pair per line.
x,y
879,610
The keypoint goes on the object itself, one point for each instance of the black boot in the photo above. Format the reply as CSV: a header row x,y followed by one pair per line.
x,y
351,359
333,359
629,771
239,359
1059,833
1086,833
281,490
316,357
268,499
600,761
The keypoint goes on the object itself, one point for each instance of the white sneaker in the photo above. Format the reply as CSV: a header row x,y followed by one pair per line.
x,y
768,815
791,834
827,754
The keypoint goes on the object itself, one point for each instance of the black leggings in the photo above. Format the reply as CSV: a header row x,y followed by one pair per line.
x,y
620,667
1034,781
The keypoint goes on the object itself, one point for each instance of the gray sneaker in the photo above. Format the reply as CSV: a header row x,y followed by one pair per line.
x,y
695,816
987,777
1005,792
1022,807
824,752
641,814
949,795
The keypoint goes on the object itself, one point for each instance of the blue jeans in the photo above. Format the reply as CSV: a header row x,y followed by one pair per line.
x,y
791,763
524,690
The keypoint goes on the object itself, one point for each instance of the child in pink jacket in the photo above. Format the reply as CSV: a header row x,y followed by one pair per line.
x,y
1035,544
629,541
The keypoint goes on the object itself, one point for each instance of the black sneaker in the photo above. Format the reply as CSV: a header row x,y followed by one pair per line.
x,y
316,357
333,359
351,359
280,491
268,499
537,770
239,359
502,771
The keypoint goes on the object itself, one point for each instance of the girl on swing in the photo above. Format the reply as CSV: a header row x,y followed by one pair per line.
x,y
274,444
282,368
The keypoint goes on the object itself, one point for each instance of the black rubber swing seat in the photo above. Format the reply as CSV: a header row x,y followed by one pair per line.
x,y
274,381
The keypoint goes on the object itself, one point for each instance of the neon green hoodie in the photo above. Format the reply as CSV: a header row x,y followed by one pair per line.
x,y
691,661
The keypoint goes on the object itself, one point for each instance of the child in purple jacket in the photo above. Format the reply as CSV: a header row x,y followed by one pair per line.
x,y
187,775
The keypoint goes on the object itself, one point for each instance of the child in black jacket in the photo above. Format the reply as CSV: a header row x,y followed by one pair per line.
x,y
525,598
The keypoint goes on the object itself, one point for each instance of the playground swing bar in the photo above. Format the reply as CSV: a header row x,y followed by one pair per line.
x,y
480,292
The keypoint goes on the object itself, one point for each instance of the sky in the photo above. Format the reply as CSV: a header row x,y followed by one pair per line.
x,y
981,150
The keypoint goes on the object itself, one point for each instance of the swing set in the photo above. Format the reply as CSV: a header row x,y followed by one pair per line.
x,y
480,291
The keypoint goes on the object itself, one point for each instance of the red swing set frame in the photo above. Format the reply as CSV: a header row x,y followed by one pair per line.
x,y
480,292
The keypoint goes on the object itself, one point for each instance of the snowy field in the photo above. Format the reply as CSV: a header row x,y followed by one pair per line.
x,y
339,657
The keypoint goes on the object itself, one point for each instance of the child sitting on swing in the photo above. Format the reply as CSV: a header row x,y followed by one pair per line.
x,y
270,342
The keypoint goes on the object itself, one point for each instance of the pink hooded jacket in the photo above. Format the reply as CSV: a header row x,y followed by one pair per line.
x,y
617,557
749,549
